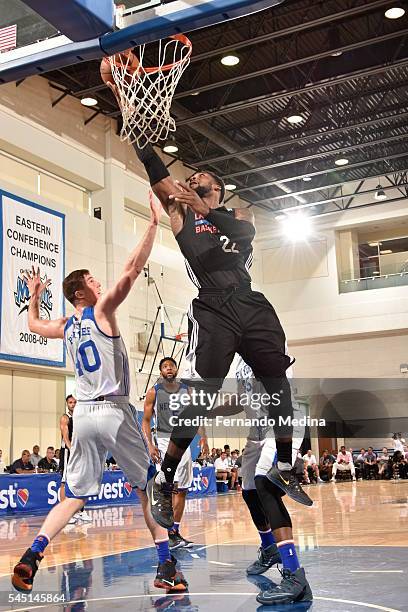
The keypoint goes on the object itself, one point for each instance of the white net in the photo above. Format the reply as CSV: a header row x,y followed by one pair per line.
x,y
145,93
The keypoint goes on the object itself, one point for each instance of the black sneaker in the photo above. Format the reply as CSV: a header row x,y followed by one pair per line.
x,y
294,588
169,578
287,481
175,540
25,570
160,497
266,558
186,543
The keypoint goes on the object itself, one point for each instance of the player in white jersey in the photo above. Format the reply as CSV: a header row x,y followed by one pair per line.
x,y
263,498
103,418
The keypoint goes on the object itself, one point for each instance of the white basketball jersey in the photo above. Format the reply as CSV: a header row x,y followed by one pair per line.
x,y
100,361
250,387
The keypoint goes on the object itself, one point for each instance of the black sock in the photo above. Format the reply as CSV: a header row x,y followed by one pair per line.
x,y
169,467
284,451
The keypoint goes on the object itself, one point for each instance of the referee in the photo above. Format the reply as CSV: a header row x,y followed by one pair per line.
x,y
66,427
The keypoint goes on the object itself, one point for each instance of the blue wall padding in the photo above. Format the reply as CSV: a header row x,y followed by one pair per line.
x,y
78,19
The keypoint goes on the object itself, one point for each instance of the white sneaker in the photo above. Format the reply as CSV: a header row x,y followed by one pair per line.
x,y
83,516
332,479
320,480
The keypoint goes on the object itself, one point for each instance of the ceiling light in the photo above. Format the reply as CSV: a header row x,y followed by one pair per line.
x,y
170,146
386,252
336,53
88,101
395,12
297,227
307,178
376,273
280,217
373,244
230,186
341,162
295,118
230,60
195,93
380,193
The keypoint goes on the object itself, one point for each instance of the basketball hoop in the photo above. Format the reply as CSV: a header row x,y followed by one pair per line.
x,y
183,337
145,93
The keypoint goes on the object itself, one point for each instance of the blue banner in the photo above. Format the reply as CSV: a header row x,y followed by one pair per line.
x,y
204,482
39,492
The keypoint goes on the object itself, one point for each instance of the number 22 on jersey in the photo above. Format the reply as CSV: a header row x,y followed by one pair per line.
x,y
226,245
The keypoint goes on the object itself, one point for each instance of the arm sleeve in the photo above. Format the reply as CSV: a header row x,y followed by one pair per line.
x,y
154,166
241,232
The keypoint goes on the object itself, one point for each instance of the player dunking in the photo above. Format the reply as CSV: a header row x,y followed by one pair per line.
x,y
103,418
226,318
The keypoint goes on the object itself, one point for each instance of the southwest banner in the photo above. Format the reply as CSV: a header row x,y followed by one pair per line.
x,y
30,235
39,492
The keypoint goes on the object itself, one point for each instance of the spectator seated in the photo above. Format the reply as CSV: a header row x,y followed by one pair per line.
x,y
343,463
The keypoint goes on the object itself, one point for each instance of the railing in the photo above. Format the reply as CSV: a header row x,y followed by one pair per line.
x,y
396,279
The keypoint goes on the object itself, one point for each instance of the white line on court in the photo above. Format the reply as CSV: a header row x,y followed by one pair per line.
x,y
221,563
376,571
234,594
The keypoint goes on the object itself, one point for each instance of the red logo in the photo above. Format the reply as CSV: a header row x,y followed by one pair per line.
x,y
204,480
22,496
128,488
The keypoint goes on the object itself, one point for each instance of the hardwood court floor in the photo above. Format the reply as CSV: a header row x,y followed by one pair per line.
x,y
353,543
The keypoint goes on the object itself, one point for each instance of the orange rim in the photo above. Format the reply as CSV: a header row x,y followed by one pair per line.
x,y
180,336
181,38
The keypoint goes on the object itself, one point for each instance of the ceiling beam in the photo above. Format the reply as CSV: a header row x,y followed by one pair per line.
x,y
295,29
298,137
320,188
320,155
290,93
332,212
345,196
292,64
326,171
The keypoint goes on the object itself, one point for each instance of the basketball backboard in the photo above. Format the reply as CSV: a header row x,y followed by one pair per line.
x,y
41,47
31,27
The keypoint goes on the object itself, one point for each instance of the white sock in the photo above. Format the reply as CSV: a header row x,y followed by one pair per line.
x,y
283,466
160,478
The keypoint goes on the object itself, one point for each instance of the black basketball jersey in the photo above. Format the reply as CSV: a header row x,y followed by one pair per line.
x,y
70,429
212,259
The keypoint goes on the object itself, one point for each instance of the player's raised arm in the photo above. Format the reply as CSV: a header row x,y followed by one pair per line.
x,y
133,267
159,177
43,327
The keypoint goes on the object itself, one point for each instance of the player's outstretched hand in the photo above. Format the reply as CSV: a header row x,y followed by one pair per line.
x,y
155,454
189,197
34,283
156,209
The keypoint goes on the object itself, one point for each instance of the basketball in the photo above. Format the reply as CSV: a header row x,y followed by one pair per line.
x,y
126,59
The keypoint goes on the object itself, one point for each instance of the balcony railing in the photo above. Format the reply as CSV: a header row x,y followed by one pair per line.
x,y
395,279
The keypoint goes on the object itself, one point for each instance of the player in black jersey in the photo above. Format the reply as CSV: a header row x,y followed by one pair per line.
x,y
66,427
227,317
